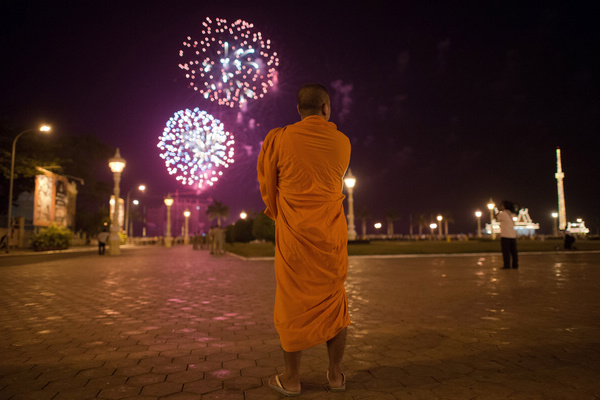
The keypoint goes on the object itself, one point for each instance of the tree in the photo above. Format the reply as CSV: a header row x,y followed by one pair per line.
x,y
447,218
83,157
391,215
422,222
263,228
363,213
217,210
32,149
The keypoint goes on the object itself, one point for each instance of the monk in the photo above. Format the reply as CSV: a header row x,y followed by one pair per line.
x,y
300,171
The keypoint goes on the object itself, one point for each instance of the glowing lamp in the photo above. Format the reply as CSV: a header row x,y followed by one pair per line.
x,y
117,163
168,238
350,181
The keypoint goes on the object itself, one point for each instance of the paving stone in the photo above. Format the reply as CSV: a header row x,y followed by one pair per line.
x,y
161,389
203,386
119,391
128,327
84,393
186,376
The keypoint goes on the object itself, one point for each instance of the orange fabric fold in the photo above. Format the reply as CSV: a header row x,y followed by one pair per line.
x,y
300,172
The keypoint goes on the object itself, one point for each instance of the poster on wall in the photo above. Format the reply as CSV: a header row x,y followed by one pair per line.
x,y
53,195
43,207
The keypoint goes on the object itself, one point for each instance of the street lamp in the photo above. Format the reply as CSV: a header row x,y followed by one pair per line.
x,y
116,165
168,238
43,128
491,207
350,181
478,215
186,231
141,188
439,218
555,216
243,215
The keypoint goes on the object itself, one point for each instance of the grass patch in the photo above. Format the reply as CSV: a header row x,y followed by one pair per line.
x,y
384,247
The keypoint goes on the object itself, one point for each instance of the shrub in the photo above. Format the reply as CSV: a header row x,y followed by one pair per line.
x,y
242,230
52,238
263,228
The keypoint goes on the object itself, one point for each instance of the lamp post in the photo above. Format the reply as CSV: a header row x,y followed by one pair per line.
x,y
141,188
491,206
116,165
43,128
478,215
186,231
555,230
350,181
439,218
168,238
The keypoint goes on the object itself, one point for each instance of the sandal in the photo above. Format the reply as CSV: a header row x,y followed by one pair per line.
x,y
337,389
279,388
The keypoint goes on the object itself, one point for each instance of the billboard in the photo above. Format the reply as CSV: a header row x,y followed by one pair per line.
x,y
54,200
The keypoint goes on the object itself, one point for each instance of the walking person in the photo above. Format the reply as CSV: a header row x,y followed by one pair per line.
x,y
508,235
102,239
300,171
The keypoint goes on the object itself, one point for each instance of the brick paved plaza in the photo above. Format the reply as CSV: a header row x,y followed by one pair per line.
x,y
179,324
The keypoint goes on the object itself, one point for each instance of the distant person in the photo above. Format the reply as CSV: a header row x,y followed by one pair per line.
x,y
300,170
102,239
4,243
211,238
219,241
195,241
569,241
508,235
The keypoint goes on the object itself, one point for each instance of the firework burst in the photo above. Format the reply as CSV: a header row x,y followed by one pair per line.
x,y
196,147
231,64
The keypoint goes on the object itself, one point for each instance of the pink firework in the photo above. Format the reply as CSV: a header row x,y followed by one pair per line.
x,y
231,64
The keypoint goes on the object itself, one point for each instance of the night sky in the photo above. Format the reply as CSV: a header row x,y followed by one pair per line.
x,y
446,106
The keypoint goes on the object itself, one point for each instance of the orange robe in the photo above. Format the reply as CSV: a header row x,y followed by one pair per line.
x,y
300,171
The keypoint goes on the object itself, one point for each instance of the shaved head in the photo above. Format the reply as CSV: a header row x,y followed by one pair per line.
x,y
313,99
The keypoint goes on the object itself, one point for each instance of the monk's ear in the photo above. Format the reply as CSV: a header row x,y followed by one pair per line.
x,y
298,108
326,110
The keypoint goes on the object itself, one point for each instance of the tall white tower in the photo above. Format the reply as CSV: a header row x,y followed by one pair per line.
x,y
562,210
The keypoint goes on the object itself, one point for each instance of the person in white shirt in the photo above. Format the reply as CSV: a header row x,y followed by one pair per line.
x,y
508,235
102,239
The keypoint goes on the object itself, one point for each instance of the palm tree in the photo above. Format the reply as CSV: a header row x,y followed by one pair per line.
x,y
363,213
422,222
447,220
217,210
412,221
390,215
